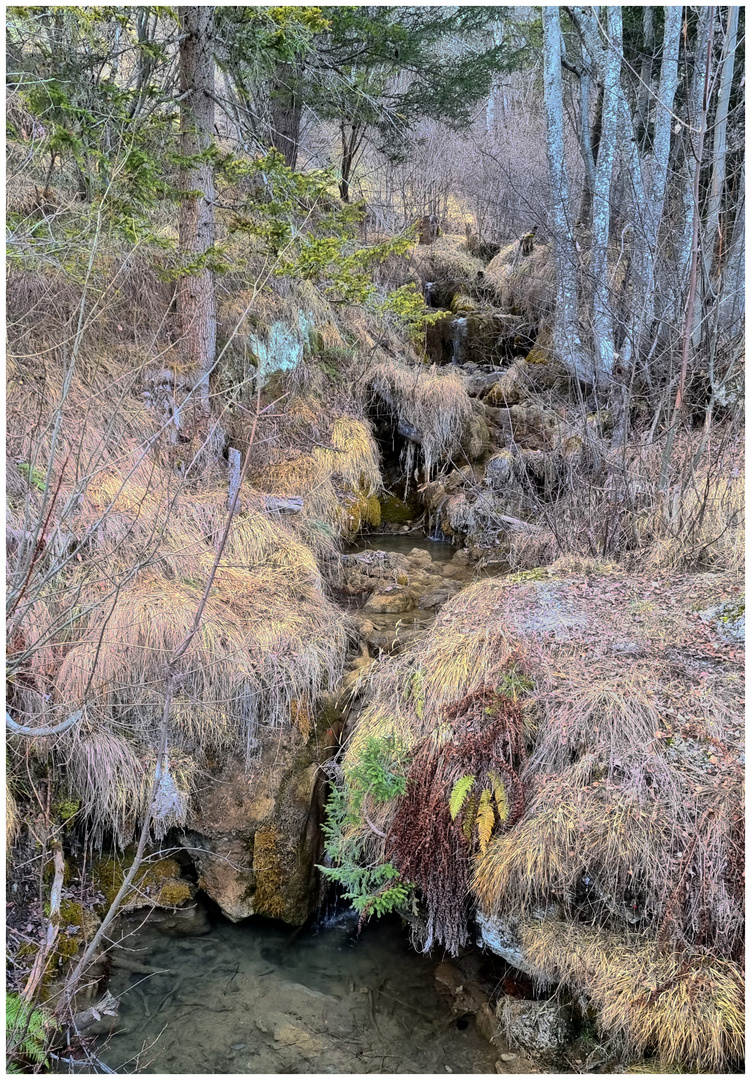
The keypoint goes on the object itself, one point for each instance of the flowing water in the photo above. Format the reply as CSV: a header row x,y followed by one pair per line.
x,y
256,998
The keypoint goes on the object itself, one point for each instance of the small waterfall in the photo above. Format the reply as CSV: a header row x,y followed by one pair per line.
x,y
427,291
459,328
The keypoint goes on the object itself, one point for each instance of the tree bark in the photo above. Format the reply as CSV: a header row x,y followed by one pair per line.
x,y
196,298
566,341
649,214
286,112
719,152
603,308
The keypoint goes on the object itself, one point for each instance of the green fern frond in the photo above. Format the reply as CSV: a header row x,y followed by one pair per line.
x,y
26,1030
470,813
459,793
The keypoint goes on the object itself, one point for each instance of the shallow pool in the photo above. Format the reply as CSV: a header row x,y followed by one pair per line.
x,y
254,998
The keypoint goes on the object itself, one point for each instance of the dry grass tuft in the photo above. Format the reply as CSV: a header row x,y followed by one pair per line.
x,y
433,403
688,1008
446,259
525,284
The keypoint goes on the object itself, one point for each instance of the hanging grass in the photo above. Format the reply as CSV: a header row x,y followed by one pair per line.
x,y
688,1008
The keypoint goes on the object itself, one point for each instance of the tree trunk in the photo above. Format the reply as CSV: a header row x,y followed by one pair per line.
x,y
719,152
196,298
649,215
286,112
351,140
566,342
603,308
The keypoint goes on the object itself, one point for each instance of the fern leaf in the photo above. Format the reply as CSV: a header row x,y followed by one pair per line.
x,y
501,797
470,814
459,793
485,820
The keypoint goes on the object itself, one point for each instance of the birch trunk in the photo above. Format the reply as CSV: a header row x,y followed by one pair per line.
x,y
645,246
196,299
603,308
714,202
567,343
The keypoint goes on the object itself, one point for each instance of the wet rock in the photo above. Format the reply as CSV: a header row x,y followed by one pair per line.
x,y
447,977
438,597
393,602
252,834
486,1022
190,920
539,1028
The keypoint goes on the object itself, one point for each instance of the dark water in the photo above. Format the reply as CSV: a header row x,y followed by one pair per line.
x,y
439,550
248,999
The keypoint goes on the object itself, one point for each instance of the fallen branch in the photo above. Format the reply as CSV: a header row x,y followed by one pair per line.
x,y
53,925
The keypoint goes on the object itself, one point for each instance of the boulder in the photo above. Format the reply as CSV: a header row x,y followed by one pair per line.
x,y
253,834
539,1028
394,601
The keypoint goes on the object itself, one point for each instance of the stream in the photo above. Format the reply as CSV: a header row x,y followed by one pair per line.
x,y
255,997
260,997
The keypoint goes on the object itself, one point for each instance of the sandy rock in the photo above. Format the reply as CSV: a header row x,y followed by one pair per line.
x,y
392,602
511,388
420,556
486,1022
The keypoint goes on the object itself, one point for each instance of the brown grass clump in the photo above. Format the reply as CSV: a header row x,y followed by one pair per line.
x,y
688,1008
434,404
446,259
525,284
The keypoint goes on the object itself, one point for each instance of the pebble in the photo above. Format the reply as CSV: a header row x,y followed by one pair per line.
x,y
508,1057
237,1046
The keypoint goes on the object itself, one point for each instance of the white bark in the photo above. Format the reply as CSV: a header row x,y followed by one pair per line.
x,y
566,340
714,203
645,245
603,309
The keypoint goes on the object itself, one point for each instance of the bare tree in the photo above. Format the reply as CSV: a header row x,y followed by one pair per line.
x,y
196,300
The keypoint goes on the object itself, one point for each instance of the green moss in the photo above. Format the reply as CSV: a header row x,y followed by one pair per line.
x,y
269,898
394,511
158,884
539,573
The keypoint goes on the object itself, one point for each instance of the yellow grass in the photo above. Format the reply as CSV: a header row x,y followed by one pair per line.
x,y
688,1008
434,402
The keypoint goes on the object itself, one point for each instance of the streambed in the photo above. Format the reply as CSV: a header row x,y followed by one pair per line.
x,y
253,997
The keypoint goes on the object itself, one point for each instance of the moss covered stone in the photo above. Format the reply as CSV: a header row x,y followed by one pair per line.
x,y
270,872
156,885
394,511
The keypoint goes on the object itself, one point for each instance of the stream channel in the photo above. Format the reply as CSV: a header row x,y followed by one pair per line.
x,y
255,997
261,997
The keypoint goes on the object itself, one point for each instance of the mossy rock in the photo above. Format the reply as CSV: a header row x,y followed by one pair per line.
x,y
476,439
360,511
271,874
156,885
394,511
